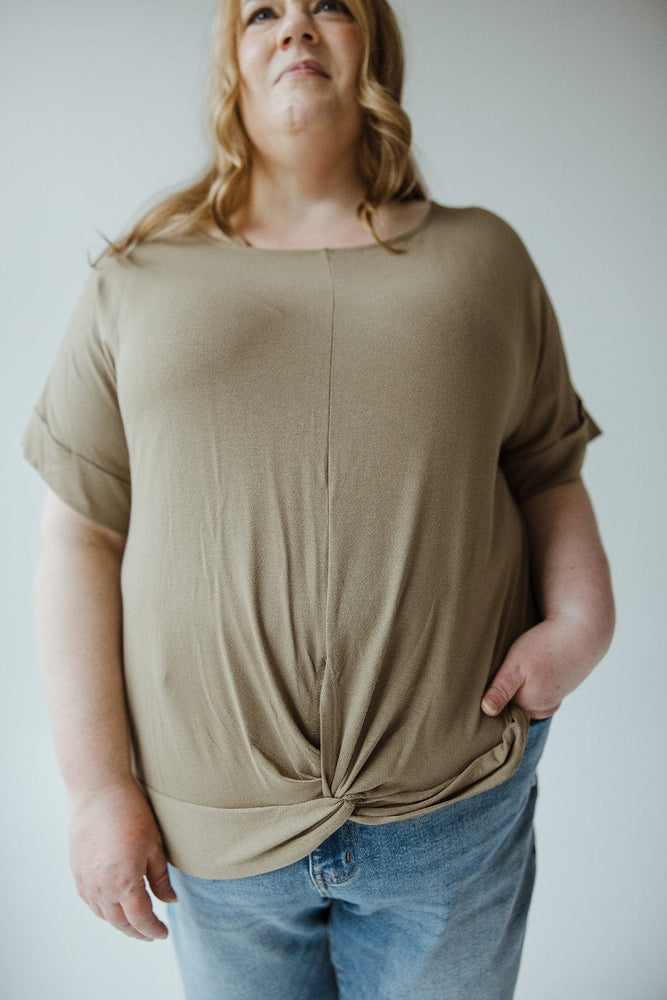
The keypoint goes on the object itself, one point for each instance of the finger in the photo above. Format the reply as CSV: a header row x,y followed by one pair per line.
x,y
114,914
139,912
503,688
157,874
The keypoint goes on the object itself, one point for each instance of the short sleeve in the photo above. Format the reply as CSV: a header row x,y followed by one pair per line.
x,y
546,448
75,436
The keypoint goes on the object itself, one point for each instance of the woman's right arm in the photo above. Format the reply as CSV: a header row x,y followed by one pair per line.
x,y
114,839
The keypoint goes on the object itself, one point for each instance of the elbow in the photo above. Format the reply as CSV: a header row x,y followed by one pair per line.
x,y
589,611
605,617
610,623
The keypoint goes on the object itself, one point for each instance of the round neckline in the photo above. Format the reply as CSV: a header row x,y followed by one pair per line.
x,y
353,248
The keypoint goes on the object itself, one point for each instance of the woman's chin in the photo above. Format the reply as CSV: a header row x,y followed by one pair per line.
x,y
300,112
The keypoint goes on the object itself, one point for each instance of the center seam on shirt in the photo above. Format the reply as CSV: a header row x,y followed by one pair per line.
x,y
328,454
326,666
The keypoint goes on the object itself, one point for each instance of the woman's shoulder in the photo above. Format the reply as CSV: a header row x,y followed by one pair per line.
x,y
152,259
475,218
480,226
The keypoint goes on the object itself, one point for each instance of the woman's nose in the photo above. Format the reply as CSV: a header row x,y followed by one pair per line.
x,y
297,26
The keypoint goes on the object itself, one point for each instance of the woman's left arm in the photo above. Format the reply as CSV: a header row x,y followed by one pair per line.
x,y
573,588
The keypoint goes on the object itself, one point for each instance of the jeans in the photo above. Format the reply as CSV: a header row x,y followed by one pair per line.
x,y
430,908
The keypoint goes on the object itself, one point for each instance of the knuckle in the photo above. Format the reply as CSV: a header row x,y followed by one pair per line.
x,y
117,915
129,931
503,688
139,914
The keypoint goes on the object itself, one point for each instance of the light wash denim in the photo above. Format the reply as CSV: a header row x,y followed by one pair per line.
x,y
432,908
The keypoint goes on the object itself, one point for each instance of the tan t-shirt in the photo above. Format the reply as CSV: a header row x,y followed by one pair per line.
x,y
317,456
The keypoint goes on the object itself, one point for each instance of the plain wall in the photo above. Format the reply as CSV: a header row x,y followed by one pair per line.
x,y
551,114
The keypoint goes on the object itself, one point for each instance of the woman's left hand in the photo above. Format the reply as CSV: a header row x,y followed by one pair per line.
x,y
543,666
573,589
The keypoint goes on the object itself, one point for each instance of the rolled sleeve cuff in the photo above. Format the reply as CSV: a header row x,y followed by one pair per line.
x,y
529,471
94,492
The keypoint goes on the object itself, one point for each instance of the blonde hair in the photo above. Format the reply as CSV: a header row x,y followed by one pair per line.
x,y
386,163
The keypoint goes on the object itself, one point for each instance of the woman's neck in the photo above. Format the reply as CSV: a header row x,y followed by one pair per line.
x,y
300,200
310,201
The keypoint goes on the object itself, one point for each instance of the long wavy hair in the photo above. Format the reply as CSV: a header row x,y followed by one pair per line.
x,y
386,163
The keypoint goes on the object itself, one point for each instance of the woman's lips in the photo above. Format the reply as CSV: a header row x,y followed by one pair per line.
x,y
307,67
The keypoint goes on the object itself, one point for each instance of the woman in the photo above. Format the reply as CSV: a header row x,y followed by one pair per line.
x,y
318,564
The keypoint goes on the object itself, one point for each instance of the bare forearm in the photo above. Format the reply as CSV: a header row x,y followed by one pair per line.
x,y
78,620
570,568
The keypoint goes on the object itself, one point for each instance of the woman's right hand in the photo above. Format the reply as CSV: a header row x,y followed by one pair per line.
x,y
114,843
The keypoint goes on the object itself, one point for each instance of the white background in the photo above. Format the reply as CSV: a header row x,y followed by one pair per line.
x,y
551,114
